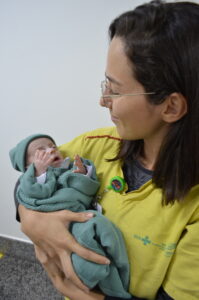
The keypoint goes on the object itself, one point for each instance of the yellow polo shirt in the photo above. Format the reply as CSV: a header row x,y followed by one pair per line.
x,y
162,242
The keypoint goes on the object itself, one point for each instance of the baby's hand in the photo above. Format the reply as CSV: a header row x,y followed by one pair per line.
x,y
42,160
80,166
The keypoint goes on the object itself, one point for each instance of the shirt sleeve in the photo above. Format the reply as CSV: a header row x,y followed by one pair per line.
x,y
89,170
182,280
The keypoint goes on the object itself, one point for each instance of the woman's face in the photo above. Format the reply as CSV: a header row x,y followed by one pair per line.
x,y
134,117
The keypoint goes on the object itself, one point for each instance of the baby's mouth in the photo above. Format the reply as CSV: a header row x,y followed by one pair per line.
x,y
57,161
56,158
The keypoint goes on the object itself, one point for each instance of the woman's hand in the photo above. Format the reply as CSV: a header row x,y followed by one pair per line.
x,y
49,232
64,285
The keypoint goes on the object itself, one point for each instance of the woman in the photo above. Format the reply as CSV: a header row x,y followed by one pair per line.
x,y
152,92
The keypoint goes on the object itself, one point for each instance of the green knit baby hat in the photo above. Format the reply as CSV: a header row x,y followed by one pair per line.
x,y
18,153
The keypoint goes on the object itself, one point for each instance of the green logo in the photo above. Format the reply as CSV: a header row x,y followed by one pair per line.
x,y
167,248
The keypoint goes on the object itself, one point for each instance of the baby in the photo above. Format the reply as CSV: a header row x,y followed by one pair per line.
x,y
49,183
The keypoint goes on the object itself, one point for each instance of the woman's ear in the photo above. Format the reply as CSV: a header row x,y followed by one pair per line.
x,y
175,107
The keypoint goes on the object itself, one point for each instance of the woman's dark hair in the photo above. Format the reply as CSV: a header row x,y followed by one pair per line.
x,y
162,42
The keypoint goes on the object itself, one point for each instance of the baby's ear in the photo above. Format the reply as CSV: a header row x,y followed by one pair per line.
x,y
175,108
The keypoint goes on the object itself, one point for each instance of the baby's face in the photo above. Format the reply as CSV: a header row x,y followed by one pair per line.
x,y
44,145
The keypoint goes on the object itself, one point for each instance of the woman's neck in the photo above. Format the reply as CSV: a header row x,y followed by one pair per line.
x,y
148,160
150,153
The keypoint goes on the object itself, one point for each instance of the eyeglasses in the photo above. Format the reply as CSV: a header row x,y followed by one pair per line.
x,y
104,89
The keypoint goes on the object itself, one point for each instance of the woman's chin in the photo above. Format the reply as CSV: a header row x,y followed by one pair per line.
x,y
123,134
120,131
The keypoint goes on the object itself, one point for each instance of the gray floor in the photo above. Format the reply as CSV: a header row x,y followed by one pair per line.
x,y
21,275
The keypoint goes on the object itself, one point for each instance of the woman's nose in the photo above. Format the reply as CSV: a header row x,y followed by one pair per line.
x,y
106,102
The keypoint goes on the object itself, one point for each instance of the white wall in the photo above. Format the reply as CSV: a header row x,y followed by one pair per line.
x,y
52,60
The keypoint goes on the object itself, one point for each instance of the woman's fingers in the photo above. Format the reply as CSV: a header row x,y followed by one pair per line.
x,y
52,236
68,270
61,283
56,267
40,254
74,247
66,286
69,216
68,242
53,270
89,255
46,252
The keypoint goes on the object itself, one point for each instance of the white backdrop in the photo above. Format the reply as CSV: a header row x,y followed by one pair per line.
x,y
52,60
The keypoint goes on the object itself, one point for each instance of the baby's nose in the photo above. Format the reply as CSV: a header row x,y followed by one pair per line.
x,y
50,150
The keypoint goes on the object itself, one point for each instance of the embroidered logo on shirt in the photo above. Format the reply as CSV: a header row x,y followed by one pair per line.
x,y
167,248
